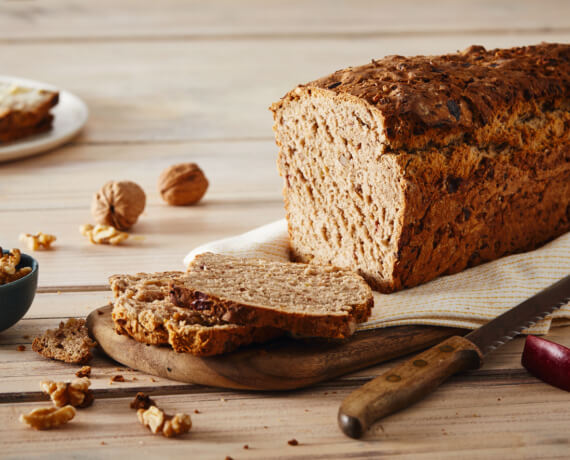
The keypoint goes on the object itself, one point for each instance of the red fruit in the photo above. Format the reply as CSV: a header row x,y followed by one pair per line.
x,y
548,361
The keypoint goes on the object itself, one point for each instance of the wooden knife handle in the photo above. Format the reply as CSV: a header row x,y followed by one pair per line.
x,y
405,384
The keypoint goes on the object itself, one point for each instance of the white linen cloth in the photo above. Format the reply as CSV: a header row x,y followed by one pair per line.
x,y
467,299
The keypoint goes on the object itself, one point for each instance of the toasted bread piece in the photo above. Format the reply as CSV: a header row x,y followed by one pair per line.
x,y
22,107
308,300
142,309
70,342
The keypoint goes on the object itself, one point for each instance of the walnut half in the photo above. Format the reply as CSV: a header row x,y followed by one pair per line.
x,y
158,422
38,241
103,234
76,393
45,418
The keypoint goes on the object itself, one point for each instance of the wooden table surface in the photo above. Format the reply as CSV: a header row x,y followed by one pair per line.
x,y
175,81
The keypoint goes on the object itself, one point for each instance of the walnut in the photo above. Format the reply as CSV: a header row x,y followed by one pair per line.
x,y
158,422
85,371
45,418
153,418
182,184
38,241
179,424
76,393
103,234
142,401
118,204
8,267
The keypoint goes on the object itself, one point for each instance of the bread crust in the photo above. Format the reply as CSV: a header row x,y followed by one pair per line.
x,y
482,146
436,100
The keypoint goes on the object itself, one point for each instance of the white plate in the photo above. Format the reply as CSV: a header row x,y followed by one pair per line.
x,y
70,115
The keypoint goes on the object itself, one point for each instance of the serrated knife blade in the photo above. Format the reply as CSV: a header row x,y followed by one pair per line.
x,y
505,327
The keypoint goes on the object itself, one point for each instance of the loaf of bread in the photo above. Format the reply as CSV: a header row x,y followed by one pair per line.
x,y
143,311
308,300
408,168
24,111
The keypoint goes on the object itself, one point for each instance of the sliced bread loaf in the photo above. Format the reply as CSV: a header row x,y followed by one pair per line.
x,y
408,168
142,310
308,300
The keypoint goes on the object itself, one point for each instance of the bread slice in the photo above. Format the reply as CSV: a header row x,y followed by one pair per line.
x,y
308,300
13,134
142,309
407,168
24,111
70,342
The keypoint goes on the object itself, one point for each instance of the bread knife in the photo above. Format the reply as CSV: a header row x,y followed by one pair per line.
x,y
410,381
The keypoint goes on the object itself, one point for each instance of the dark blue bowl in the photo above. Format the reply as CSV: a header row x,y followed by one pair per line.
x,y
17,297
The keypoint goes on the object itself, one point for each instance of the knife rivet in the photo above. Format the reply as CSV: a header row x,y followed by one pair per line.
x,y
420,363
446,348
393,378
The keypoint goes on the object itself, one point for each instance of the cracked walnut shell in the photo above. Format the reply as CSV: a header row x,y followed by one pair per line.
x,y
118,204
182,184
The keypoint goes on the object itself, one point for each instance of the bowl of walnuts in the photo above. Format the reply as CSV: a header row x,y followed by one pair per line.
x,y
18,284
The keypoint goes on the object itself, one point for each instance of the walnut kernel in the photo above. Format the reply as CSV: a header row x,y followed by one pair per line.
x,y
8,267
179,424
76,393
45,418
158,422
118,204
182,184
103,234
142,401
153,418
85,371
38,241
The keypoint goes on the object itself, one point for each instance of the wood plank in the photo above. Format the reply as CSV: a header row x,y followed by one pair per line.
x,y
168,234
509,421
107,19
20,372
69,177
175,90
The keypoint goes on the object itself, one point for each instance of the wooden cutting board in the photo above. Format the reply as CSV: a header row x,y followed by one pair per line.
x,y
282,364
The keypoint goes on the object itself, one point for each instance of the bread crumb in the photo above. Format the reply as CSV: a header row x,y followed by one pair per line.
x,y
245,446
26,337
293,442
117,378
228,458
196,411
152,380
103,443
21,348
85,371
223,400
